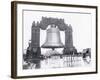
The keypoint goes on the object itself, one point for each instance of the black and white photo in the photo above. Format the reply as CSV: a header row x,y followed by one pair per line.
x,y
53,39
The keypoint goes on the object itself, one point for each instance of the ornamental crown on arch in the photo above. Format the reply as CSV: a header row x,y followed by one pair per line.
x,y
45,21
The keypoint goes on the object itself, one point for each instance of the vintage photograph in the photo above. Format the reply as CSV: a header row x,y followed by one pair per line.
x,y
54,39
52,42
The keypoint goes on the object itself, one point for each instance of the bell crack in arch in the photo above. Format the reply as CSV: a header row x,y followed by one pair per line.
x,y
43,24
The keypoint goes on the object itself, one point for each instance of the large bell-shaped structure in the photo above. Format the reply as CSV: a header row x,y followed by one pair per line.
x,y
53,38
